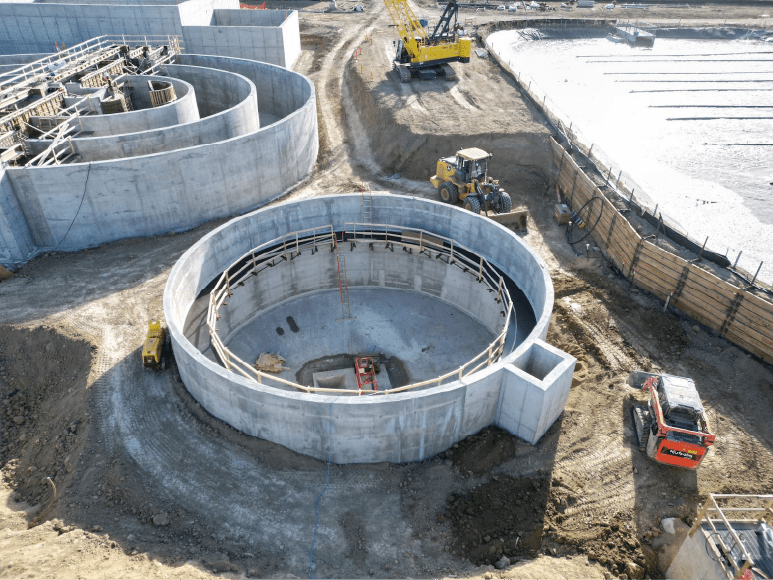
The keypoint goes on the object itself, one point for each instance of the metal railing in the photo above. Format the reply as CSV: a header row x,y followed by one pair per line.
x,y
80,56
762,506
292,245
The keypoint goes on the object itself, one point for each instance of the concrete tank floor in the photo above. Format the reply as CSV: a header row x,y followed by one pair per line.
x,y
429,336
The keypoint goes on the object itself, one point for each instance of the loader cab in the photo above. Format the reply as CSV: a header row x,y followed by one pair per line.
x,y
474,163
680,402
684,438
401,54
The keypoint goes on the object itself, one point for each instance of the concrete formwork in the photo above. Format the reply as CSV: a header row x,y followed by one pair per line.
x,y
524,392
78,205
214,119
181,110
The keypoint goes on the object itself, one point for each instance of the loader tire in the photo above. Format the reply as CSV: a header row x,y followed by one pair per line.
x,y
449,193
472,204
505,202
641,427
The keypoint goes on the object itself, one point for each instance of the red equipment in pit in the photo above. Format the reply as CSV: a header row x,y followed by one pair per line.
x,y
365,371
673,428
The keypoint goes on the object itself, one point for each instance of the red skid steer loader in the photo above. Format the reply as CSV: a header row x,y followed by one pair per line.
x,y
672,428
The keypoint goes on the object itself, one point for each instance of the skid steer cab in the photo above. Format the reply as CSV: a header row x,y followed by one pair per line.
x,y
673,428
464,177
156,348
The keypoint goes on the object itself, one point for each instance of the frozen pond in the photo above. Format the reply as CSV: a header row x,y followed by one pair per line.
x,y
691,121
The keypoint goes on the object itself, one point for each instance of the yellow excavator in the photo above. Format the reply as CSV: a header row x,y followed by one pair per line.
x,y
427,55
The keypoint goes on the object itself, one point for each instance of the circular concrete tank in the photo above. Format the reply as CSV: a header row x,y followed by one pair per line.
x,y
442,298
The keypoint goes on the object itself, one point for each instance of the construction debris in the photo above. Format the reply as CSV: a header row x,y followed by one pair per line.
x,y
270,363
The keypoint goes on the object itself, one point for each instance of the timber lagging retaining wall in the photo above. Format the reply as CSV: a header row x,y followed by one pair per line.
x,y
735,313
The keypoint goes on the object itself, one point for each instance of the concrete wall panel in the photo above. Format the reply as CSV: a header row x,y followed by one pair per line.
x,y
291,39
239,17
32,27
365,267
15,237
255,43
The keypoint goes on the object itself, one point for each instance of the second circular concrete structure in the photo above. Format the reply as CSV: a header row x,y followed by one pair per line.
x,y
522,388
240,133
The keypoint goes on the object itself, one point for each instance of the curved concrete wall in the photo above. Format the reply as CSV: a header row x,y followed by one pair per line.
x,y
524,393
379,268
216,90
175,190
240,119
181,110
279,95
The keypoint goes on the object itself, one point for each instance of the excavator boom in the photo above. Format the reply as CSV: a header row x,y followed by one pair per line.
x,y
407,25
427,55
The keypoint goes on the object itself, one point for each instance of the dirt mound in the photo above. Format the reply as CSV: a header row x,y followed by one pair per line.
x,y
480,453
613,544
501,517
410,126
43,396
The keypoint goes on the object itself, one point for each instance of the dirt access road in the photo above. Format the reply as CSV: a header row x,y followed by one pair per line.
x,y
147,484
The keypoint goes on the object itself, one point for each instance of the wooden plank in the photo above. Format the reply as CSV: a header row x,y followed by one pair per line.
x,y
747,313
764,306
625,236
666,281
763,342
693,300
643,279
705,297
699,299
719,287
625,255
762,349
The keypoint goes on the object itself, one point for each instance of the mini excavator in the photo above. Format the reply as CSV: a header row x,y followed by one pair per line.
x,y
427,55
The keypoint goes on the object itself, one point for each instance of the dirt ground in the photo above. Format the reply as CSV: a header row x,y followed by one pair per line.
x,y
110,471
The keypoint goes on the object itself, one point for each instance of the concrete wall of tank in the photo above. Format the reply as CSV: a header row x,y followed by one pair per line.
x,y
15,237
214,88
378,268
524,393
35,27
272,34
74,206
181,110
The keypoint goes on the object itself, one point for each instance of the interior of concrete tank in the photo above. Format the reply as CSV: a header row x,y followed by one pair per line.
x,y
414,313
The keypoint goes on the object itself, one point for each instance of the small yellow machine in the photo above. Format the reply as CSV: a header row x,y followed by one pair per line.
x,y
464,177
155,349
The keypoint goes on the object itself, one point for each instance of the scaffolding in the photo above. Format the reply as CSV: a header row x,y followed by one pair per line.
x,y
34,105
739,556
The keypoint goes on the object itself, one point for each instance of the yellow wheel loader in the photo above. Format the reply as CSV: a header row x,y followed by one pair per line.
x,y
464,177
156,348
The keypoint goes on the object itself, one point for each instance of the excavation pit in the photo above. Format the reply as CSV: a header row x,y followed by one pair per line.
x,y
456,304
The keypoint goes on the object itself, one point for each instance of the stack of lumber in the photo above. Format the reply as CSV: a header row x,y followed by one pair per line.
x,y
270,363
